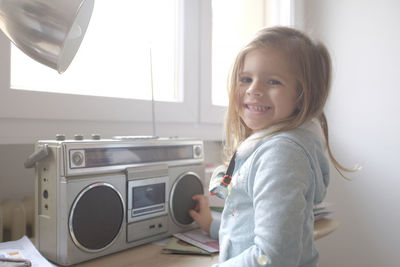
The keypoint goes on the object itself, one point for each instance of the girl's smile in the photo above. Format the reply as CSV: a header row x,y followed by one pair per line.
x,y
256,108
267,88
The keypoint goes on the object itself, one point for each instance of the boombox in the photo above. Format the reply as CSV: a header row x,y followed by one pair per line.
x,y
96,197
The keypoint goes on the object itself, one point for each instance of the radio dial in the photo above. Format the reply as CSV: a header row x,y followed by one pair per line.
x,y
77,158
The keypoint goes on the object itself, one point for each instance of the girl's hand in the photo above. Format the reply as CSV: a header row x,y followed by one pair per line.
x,y
201,214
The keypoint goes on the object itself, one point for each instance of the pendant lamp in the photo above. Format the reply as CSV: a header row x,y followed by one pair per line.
x,y
49,31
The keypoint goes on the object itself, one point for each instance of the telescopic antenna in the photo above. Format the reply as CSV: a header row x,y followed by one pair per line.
x,y
153,115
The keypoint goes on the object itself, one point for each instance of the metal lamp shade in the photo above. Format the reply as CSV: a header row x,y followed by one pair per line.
x,y
49,31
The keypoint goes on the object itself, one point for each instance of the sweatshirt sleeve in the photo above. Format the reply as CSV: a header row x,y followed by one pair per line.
x,y
279,182
214,228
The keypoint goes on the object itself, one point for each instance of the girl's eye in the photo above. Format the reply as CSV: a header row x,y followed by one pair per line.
x,y
274,82
245,80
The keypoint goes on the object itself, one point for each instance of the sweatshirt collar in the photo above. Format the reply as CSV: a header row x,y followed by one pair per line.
x,y
251,143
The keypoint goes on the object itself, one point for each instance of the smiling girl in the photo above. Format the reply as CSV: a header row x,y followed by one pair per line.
x,y
275,123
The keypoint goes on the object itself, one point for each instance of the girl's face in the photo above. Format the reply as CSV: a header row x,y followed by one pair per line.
x,y
267,89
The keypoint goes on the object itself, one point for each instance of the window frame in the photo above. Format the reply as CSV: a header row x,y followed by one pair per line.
x,y
46,105
211,113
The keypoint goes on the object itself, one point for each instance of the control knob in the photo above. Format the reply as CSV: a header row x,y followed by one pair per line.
x,y
78,137
77,158
60,137
198,151
96,137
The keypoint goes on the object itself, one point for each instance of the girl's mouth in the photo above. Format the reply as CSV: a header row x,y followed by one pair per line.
x,y
257,108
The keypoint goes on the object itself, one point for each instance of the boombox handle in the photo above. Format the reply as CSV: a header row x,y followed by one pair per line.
x,y
36,156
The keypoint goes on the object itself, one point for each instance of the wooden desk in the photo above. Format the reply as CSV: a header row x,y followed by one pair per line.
x,y
151,255
324,227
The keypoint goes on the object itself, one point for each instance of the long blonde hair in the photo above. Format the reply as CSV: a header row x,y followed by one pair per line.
x,y
312,65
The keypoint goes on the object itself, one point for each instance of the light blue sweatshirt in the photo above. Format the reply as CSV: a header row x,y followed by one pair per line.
x,y
268,215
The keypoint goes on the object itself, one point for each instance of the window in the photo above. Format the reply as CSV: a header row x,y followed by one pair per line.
x,y
118,56
231,31
224,33
115,87
192,50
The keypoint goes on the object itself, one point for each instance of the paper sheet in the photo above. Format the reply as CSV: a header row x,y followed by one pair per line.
x,y
23,249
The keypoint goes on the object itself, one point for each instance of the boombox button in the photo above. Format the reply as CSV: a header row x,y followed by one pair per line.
x,y
78,137
77,158
60,137
198,151
147,228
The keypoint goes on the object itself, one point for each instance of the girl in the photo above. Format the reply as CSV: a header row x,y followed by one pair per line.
x,y
275,122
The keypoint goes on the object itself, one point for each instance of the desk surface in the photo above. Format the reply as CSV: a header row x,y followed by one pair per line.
x,y
324,227
151,255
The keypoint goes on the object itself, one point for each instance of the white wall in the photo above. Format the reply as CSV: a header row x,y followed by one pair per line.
x,y
363,110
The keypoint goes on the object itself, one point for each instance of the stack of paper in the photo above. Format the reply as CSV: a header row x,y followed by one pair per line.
x,y
23,249
322,210
192,242
177,246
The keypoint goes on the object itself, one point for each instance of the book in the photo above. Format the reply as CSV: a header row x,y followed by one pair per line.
x,y
178,246
200,239
322,210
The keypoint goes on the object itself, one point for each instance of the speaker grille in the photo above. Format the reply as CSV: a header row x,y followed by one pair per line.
x,y
96,217
184,188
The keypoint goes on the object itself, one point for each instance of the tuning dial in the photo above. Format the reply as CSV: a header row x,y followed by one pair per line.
x,y
77,159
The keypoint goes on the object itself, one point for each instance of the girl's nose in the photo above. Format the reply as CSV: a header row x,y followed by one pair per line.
x,y
254,90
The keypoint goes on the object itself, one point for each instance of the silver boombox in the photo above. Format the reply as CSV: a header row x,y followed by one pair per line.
x,y
96,197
